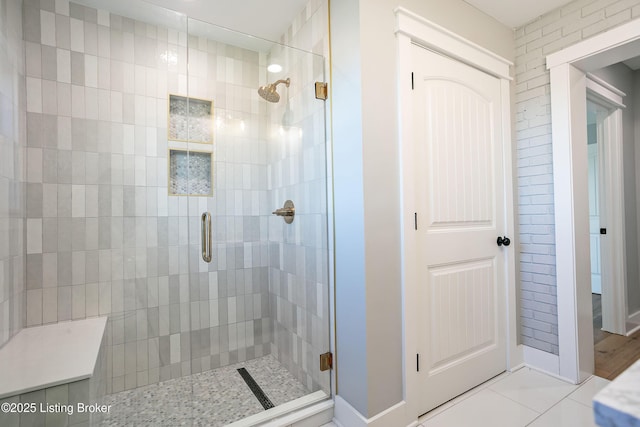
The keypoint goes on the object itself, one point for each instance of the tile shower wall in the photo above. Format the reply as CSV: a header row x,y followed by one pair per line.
x,y
12,170
229,295
103,236
299,271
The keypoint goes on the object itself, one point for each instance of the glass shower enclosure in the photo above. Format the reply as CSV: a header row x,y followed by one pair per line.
x,y
218,302
258,273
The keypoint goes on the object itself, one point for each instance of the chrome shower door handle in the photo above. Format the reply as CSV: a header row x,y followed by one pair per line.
x,y
206,237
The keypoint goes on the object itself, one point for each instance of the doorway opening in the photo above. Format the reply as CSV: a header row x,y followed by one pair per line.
x,y
608,219
570,70
594,146
610,140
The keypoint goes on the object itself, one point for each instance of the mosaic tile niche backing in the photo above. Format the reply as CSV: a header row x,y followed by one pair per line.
x,y
190,173
190,119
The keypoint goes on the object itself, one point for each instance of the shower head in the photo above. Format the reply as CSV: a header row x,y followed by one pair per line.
x,y
269,93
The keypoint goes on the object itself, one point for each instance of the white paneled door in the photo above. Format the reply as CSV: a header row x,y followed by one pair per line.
x,y
460,202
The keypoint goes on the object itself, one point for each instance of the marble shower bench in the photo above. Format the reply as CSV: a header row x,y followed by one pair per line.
x,y
54,375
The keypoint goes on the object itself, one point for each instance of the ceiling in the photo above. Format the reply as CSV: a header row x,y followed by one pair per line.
x,y
264,19
515,13
633,63
269,19
249,24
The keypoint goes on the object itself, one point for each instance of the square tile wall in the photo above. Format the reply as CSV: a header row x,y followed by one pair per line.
x,y
103,236
229,296
12,171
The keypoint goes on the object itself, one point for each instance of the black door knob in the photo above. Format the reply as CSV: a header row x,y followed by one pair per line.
x,y
504,241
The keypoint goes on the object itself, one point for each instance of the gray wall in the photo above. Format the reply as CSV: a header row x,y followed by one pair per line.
x,y
12,170
367,187
549,33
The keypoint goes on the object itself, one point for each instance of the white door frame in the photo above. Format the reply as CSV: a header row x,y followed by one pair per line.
x,y
413,29
568,69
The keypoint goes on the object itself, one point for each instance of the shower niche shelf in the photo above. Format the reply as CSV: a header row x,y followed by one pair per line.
x,y
190,119
190,173
190,124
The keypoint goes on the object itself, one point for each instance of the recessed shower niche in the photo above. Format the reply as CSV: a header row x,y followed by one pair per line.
x,y
190,124
190,173
190,119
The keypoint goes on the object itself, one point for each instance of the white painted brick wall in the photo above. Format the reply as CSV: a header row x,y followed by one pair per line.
x,y
549,33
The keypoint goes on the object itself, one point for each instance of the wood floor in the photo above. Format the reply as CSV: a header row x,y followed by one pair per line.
x,y
613,353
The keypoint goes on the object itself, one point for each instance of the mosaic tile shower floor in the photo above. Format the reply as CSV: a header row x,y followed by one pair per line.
x,y
212,398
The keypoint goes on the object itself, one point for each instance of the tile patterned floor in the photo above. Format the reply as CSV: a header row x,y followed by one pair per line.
x,y
212,398
522,398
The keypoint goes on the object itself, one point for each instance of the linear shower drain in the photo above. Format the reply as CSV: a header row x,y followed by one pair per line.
x,y
255,388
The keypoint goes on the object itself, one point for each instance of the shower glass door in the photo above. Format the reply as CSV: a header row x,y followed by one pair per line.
x,y
258,286
169,166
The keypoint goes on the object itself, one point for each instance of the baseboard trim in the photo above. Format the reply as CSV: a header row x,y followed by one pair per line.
x,y
517,367
542,361
633,330
347,415
635,319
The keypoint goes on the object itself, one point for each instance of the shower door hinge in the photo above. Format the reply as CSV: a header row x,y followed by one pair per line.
x,y
322,91
326,361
